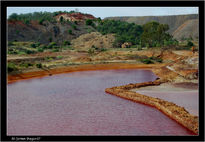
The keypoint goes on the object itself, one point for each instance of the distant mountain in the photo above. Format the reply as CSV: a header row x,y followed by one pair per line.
x,y
180,26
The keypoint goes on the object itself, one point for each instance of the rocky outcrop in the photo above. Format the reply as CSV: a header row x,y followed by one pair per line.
x,y
172,110
74,16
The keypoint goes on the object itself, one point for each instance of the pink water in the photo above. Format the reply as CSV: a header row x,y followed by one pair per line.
x,y
76,104
187,99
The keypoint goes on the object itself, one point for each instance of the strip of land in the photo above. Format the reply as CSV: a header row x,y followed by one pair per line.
x,y
177,113
74,68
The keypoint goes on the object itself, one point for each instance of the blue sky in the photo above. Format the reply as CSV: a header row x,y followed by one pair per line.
x,y
103,12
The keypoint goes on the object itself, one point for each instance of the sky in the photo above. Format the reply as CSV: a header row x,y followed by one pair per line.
x,y
103,12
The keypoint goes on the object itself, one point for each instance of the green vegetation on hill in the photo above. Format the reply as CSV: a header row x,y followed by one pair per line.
x,y
151,34
37,16
155,35
125,32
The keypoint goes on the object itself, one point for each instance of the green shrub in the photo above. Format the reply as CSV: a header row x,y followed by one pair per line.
x,y
26,65
51,45
43,47
59,57
88,22
190,44
89,30
147,61
30,52
20,52
94,47
26,21
50,39
39,65
133,46
17,31
159,60
41,21
11,67
33,45
56,47
102,49
66,43
38,44
70,32
74,27
156,59
40,50
55,50
61,19
48,58
158,45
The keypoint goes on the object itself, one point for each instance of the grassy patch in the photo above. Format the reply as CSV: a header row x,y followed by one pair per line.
x,y
11,67
59,57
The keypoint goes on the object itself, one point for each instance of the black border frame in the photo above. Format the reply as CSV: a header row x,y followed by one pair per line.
x,y
200,4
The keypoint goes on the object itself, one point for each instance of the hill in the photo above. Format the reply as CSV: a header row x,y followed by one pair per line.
x,y
45,31
174,22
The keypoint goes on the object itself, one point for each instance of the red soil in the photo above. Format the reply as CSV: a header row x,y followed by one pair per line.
x,y
35,74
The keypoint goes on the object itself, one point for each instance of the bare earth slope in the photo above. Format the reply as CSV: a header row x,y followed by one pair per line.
x,y
86,41
189,28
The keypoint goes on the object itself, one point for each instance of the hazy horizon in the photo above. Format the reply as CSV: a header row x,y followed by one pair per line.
x,y
104,12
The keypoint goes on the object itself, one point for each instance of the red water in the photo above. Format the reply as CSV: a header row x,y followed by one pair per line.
x,y
76,104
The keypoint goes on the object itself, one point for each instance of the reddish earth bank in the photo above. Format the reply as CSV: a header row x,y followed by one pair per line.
x,y
187,99
172,110
74,68
76,104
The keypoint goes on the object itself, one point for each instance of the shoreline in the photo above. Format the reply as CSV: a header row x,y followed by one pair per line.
x,y
76,68
173,111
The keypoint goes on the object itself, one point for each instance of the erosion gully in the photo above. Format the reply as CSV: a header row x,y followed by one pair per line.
x,y
76,104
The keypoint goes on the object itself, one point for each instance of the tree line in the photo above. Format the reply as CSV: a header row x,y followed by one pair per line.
x,y
151,34
37,16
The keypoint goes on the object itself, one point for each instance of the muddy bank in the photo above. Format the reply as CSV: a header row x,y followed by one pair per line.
x,y
74,68
172,110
